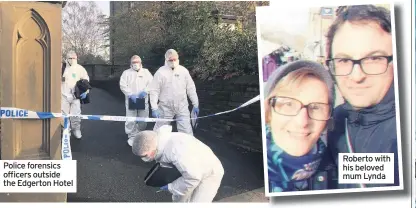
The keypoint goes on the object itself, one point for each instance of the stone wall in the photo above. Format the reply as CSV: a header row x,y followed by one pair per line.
x,y
241,127
107,72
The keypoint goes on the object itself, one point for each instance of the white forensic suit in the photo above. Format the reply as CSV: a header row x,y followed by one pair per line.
x,y
171,88
201,170
133,82
69,104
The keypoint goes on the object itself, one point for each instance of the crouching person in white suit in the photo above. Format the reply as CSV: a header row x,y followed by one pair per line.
x,y
201,170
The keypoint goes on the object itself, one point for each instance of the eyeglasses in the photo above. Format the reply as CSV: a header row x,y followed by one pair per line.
x,y
373,65
291,107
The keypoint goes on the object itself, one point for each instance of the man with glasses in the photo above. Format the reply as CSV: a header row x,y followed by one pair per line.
x,y
171,85
360,62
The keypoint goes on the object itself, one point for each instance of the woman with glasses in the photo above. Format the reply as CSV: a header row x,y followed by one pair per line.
x,y
299,99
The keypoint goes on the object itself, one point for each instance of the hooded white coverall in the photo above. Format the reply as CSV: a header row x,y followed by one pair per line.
x,y
201,170
133,82
69,104
171,88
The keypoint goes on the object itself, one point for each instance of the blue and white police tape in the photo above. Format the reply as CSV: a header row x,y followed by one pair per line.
x,y
17,113
141,119
66,153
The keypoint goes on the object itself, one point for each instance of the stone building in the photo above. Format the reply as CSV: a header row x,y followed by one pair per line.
x,y
31,52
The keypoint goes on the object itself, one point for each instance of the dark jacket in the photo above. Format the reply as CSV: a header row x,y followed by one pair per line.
x,y
63,70
80,87
371,130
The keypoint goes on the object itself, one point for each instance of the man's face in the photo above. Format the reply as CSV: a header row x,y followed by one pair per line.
x,y
355,41
136,61
173,59
148,156
136,64
72,60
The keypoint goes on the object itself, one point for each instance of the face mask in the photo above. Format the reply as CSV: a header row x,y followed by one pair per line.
x,y
136,66
146,159
72,62
173,64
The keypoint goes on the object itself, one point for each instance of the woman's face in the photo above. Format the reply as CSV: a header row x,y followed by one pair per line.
x,y
297,134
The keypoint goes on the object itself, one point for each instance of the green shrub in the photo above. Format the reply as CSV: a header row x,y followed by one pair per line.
x,y
207,50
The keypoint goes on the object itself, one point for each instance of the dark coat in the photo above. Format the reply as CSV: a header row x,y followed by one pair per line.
x,y
82,86
371,130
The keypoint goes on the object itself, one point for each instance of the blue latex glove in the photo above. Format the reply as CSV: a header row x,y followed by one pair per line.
x,y
196,110
133,98
164,188
142,94
156,113
84,95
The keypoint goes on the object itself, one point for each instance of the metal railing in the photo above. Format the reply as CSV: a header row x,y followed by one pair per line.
x,y
104,71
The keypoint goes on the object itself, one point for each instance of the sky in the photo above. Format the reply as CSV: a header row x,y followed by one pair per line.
x,y
104,6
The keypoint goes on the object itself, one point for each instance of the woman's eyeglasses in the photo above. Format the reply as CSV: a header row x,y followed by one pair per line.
x,y
291,107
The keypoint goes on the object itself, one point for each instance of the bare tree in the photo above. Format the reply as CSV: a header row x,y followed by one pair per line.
x,y
138,30
83,29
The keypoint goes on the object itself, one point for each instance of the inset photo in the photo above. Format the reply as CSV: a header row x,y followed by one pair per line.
x,y
329,99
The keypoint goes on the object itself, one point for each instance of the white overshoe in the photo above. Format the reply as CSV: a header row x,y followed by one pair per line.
x,y
77,134
130,142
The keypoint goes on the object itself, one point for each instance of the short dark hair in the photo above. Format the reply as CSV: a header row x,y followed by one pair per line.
x,y
371,13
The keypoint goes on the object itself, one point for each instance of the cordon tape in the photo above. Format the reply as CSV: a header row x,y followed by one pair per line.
x,y
17,113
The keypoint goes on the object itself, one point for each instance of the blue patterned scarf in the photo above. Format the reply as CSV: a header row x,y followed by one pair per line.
x,y
291,173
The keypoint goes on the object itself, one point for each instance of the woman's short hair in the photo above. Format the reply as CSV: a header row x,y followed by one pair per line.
x,y
293,74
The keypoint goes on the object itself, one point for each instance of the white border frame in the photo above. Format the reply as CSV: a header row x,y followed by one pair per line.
x,y
412,107
396,91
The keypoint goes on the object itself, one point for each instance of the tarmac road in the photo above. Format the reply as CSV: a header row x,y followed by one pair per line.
x,y
107,170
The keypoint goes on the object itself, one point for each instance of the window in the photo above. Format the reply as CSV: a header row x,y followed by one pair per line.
x,y
130,5
231,26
